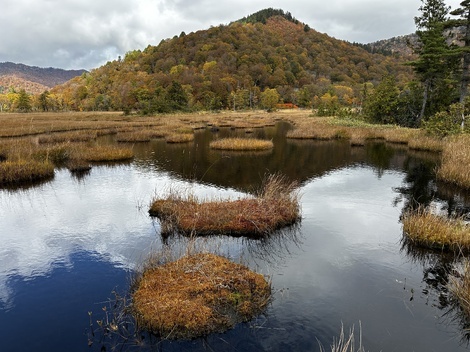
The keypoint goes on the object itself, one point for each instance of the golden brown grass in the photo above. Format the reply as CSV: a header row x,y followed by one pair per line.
x,y
455,165
275,207
102,153
14,172
197,295
421,141
426,229
241,144
318,132
179,138
75,136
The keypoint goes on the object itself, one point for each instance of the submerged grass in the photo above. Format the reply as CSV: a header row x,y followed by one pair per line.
x,y
275,207
197,295
425,229
241,144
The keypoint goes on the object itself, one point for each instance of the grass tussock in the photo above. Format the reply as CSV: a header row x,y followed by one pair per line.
x,y
426,229
14,172
241,144
455,165
103,153
275,207
197,295
75,136
319,132
179,138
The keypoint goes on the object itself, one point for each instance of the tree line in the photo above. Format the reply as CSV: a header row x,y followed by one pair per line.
x,y
269,58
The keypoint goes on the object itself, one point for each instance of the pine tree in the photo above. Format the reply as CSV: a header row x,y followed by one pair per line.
x,y
463,22
437,62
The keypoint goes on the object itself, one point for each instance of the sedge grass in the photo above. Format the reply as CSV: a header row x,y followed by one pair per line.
x,y
455,165
425,229
459,287
179,138
102,153
197,295
241,144
275,207
22,171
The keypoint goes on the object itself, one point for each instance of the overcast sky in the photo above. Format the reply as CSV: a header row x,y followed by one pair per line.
x,y
74,34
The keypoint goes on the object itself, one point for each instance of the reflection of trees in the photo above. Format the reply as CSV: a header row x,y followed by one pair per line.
x,y
437,269
419,188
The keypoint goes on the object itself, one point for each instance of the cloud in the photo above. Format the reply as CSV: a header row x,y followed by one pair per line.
x,y
87,33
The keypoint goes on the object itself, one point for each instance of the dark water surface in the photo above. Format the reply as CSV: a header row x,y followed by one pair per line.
x,y
66,245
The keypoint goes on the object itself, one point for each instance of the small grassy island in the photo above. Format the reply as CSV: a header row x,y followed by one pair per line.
x,y
426,229
275,207
197,295
242,144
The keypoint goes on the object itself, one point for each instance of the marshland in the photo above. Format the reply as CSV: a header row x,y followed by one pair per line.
x,y
74,245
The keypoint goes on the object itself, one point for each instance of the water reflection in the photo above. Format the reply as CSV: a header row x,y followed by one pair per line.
x,y
68,244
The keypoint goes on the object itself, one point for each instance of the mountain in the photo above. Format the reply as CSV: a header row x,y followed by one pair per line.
x,y
33,79
230,66
401,45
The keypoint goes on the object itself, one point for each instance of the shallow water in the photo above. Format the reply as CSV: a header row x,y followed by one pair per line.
x,y
66,245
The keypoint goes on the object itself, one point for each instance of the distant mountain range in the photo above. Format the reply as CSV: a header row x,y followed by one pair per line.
x,y
33,79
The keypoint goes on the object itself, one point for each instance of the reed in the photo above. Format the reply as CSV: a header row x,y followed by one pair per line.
x,y
20,171
455,165
459,287
276,206
196,295
426,143
241,144
426,229
346,343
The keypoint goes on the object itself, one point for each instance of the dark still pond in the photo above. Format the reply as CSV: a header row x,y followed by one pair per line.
x,y
70,246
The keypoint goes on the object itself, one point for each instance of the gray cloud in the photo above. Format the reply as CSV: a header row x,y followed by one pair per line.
x,y
87,33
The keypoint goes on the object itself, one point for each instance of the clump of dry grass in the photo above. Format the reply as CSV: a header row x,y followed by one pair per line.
x,y
346,343
78,166
179,138
423,228
426,143
241,144
102,153
197,295
275,207
455,166
75,136
459,286
14,172
319,132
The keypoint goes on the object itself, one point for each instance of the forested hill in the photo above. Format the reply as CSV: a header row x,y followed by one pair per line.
x,y
33,79
229,66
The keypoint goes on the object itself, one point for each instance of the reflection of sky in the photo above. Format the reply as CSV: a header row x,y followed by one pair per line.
x,y
105,214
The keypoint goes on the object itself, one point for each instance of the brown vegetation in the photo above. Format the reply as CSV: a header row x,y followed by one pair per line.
x,y
275,207
459,286
425,229
240,144
197,295
455,166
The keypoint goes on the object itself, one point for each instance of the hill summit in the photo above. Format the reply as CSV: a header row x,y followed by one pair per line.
x,y
231,66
